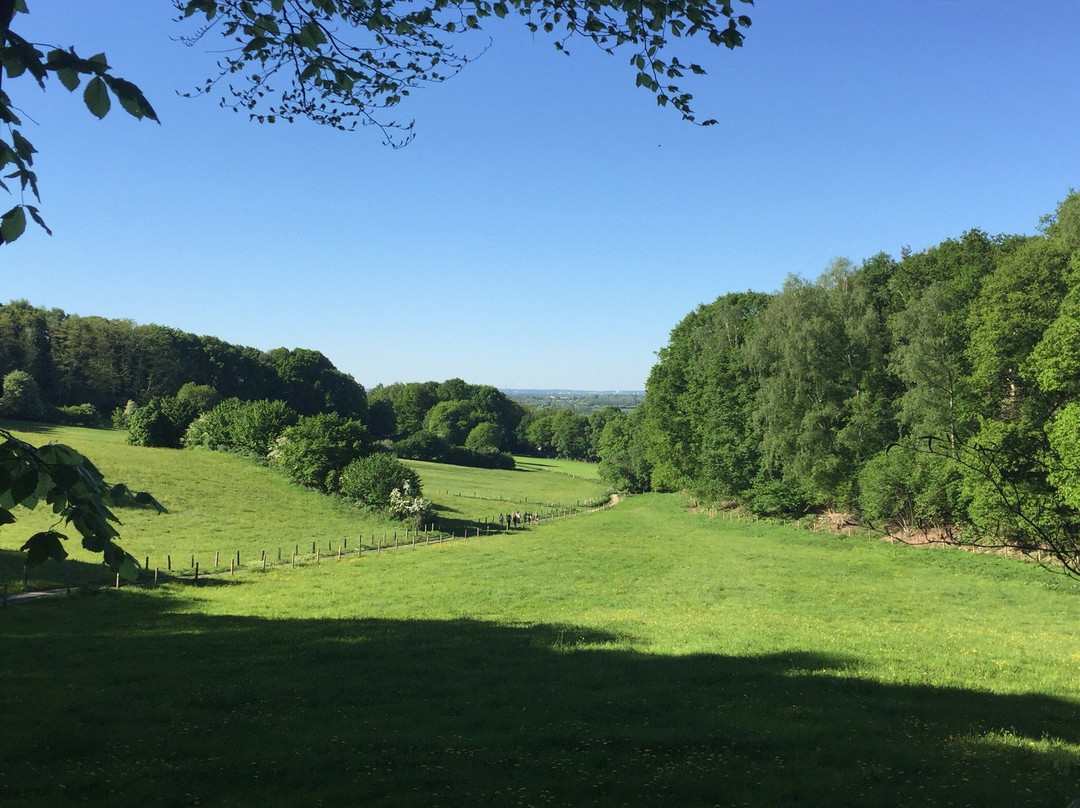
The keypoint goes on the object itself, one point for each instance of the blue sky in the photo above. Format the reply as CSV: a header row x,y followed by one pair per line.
x,y
549,225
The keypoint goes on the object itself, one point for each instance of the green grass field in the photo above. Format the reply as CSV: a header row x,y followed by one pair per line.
x,y
638,655
467,496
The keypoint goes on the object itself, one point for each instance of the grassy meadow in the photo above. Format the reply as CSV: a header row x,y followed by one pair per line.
x,y
221,504
638,655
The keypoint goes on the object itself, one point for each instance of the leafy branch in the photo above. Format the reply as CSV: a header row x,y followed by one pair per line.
x,y
1032,519
19,57
344,61
63,479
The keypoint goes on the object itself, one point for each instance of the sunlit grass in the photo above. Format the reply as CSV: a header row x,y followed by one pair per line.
x,y
636,655
546,487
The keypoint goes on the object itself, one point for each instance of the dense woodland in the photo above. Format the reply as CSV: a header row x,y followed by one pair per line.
x,y
171,388
933,392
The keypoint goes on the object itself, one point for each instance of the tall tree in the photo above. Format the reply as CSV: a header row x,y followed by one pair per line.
x,y
24,342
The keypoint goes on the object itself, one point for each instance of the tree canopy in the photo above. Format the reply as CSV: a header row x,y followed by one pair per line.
x,y
933,397
340,62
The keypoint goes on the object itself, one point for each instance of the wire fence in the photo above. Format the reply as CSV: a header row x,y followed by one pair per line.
x,y
196,567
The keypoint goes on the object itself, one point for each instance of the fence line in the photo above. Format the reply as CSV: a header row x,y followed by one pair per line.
x,y
390,540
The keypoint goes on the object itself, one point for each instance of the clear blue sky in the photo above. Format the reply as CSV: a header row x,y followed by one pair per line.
x,y
550,224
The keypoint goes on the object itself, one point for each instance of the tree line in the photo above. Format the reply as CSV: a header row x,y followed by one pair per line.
x,y
290,409
934,393
105,363
157,381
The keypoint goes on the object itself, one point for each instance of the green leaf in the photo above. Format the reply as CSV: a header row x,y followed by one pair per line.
x,y
120,562
69,78
42,546
96,97
131,98
95,544
5,517
12,224
311,36
37,218
268,24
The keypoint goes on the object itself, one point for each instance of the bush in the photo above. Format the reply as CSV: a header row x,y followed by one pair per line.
x,y
21,397
424,445
257,424
485,437
409,506
203,396
78,415
315,450
370,480
250,427
912,488
213,429
121,416
460,456
161,422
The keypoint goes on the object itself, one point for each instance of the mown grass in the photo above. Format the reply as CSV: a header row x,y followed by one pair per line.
x,y
221,505
218,505
638,655
546,487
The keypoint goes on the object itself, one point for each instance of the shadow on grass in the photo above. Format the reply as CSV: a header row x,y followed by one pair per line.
x,y
120,700
50,575
529,467
27,426
74,574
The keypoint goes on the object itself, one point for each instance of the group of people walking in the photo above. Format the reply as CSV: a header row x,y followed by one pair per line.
x,y
517,518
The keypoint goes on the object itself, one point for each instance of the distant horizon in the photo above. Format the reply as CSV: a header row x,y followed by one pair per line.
x,y
569,391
